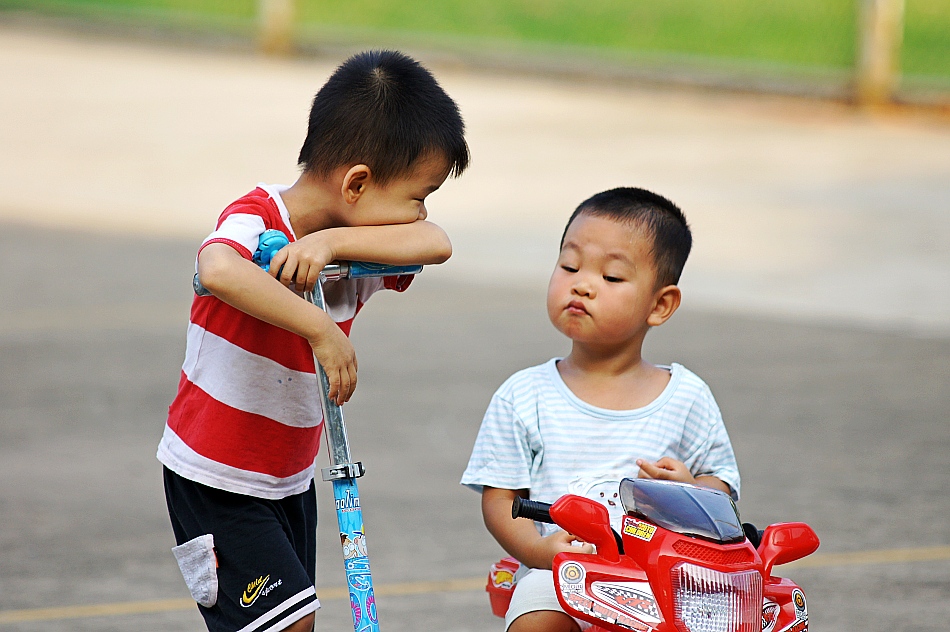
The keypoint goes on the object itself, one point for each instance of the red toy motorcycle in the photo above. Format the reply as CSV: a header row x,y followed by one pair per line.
x,y
683,563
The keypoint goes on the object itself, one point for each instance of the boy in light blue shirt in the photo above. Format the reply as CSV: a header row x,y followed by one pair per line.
x,y
581,423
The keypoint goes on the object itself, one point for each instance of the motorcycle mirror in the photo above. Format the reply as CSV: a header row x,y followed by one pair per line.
x,y
588,520
786,542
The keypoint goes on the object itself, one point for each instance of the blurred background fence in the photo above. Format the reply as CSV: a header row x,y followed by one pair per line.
x,y
868,50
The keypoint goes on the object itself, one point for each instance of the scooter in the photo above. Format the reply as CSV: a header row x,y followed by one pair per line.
x,y
683,562
342,472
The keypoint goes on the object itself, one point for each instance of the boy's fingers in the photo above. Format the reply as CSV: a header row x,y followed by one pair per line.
x,y
311,281
289,270
647,469
302,275
351,370
666,463
276,262
345,387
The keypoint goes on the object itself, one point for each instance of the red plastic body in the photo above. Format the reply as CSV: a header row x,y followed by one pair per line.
x,y
634,590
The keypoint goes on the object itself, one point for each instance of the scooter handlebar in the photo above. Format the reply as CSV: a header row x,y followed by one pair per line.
x,y
342,270
533,509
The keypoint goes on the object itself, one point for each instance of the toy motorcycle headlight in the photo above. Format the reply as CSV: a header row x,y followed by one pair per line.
x,y
705,600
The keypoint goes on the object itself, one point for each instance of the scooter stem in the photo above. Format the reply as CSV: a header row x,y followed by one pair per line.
x,y
343,474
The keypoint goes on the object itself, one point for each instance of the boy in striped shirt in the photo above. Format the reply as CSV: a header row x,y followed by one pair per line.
x,y
243,431
581,423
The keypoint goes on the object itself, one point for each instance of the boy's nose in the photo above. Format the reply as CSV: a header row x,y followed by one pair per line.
x,y
582,288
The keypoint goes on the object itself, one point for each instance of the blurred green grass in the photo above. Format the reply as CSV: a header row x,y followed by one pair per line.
x,y
798,33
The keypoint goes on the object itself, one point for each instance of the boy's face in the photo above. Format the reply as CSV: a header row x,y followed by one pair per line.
x,y
603,289
402,200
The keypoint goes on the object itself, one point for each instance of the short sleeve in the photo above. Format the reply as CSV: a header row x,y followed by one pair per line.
x,y
502,456
241,224
713,455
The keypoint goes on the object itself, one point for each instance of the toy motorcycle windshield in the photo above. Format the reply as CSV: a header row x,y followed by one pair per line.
x,y
681,508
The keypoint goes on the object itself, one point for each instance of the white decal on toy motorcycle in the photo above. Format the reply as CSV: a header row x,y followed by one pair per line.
x,y
798,626
635,597
572,577
585,605
604,489
801,609
638,528
801,613
770,611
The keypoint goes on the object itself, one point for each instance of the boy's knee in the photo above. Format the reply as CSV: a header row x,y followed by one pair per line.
x,y
303,625
544,621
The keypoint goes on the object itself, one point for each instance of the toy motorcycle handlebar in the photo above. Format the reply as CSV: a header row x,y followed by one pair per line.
x,y
532,509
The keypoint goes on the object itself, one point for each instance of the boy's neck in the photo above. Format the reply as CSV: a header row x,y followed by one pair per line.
x,y
313,204
616,379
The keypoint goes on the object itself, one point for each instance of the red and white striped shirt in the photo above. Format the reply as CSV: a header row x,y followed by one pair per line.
x,y
247,417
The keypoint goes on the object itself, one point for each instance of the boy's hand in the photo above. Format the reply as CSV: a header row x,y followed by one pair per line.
x,y
670,469
667,469
301,262
558,542
336,355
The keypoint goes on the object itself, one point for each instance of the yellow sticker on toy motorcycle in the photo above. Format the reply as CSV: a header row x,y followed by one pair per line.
x,y
638,529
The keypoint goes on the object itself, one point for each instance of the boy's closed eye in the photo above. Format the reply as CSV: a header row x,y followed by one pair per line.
x,y
612,279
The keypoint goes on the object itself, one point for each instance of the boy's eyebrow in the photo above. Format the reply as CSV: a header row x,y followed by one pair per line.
x,y
616,255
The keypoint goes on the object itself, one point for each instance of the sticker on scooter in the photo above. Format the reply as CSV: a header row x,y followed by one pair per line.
x,y
353,547
634,597
638,528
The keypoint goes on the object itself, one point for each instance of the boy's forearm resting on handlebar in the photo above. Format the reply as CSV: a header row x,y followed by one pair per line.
x,y
419,242
519,537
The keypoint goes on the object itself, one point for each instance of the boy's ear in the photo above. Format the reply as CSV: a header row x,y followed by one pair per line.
x,y
355,181
667,301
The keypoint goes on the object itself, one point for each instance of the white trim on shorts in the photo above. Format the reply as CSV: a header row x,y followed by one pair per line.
x,y
292,617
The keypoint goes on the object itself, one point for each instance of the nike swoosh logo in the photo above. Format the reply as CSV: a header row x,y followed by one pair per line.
x,y
248,600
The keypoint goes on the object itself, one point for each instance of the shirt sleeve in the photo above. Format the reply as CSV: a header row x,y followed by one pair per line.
x,y
240,230
713,456
502,456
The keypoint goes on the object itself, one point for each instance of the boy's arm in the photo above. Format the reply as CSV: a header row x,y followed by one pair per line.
x,y
241,284
670,469
419,242
518,536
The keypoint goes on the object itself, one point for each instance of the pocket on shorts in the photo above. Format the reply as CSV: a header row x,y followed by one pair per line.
x,y
198,566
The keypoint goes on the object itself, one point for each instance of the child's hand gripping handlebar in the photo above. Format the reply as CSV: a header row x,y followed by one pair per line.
x,y
271,241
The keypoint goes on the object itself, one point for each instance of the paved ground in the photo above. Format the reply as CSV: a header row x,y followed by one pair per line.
x,y
819,315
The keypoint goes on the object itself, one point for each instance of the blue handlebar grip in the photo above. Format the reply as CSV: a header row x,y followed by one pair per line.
x,y
267,246
362,269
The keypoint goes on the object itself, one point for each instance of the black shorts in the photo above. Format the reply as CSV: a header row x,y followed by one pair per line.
x,y
250,561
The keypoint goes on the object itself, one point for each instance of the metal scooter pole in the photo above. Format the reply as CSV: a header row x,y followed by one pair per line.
x,y
343,472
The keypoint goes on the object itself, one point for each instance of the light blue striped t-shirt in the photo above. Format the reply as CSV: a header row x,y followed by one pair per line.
x,y
537,435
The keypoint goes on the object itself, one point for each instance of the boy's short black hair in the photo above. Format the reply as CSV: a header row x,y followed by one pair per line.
x,y
382,109
662,219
